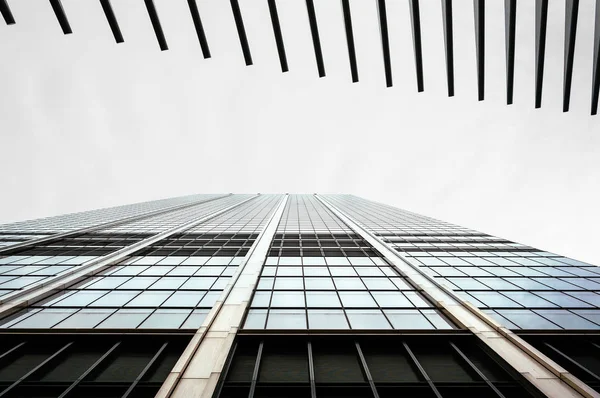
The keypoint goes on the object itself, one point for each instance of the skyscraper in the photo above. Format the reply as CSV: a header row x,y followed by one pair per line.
x,y
288,296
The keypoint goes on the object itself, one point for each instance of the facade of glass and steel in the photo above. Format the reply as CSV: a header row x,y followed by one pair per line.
x,y
288,295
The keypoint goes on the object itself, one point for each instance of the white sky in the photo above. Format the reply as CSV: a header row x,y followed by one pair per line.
x,y
86,123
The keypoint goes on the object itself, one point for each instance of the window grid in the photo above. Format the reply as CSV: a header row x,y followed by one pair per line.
x,y
321,275
35,265
520,286
165,286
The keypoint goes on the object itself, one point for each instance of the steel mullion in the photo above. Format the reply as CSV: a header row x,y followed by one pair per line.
x,y
385,42
112,20
256,369
596,67
15,348
278,35
222,379
158,30
350,39
479,372
145,370
6,13
510,32
541,23
422,370
89,370
415,19
366,369
59,11
448,44
32,371
199,28
571,12
311,371
239,23
479,10
571,360
314,31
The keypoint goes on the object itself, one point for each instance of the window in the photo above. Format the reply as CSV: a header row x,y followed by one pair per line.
x,y
286,319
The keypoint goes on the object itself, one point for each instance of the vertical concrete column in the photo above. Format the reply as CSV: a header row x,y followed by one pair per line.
x,y
199,368
545,374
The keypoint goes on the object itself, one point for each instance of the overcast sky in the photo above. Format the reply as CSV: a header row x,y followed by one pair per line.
x,y
86,123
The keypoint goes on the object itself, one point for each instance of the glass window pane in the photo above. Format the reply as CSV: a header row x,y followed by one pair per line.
x,y
282,283
494,299
171,283
391,300
194,321
563,300
313,261
379,284
108,282
357,299
589,297
183,271
195,261
140,282
149,299
265,283
408,319
286,319
289,271
497,283
401,283
80,298
316,271
209,299
528,284
468,284
85,318
529,300
342,271
125,319
337,261
567,319
369,271
210,271
287,299
148,260
184,299
322,300
261,299
114,299
327,319
438,321
367,319
165,319
319,284
349,284
417,300
256,319
199,283
21,282
526,319
45,319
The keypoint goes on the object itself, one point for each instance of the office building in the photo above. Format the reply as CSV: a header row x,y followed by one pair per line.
x,y
288,296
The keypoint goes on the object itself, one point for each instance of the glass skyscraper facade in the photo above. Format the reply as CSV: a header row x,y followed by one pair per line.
x,y
256,295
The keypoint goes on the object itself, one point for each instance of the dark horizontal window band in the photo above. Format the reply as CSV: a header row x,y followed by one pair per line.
x,y
90,365
579,354
367,366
